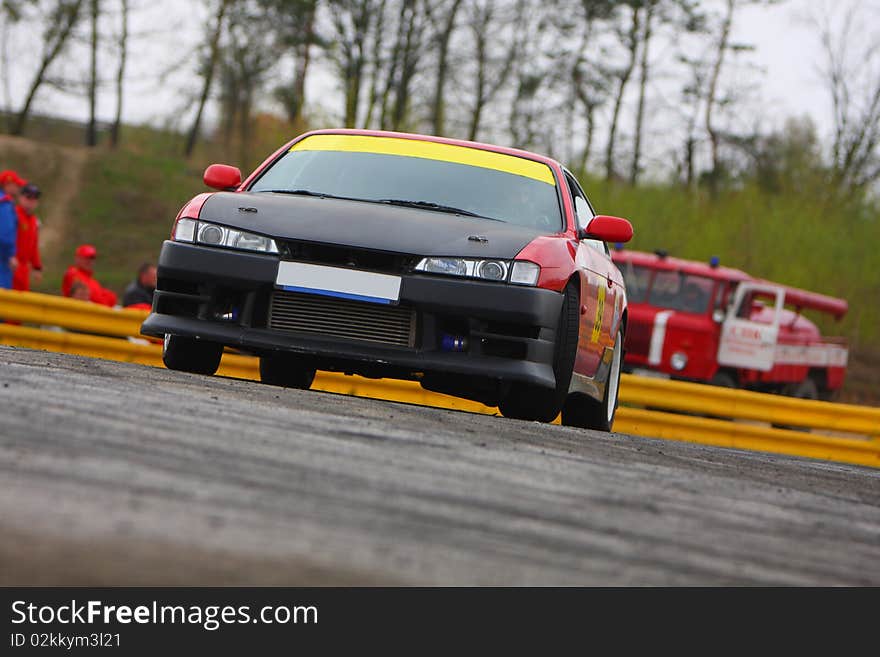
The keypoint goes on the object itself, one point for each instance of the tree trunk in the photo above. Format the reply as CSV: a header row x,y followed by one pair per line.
x,y
65,21
408,67
375,64
438,112
643,83
120,75
213,56
633,38
302,68
92,128
713,87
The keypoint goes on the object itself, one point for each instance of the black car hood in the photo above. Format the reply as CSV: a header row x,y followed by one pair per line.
x,y
365,225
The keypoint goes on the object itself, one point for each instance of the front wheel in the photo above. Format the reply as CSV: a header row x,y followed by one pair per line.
x,y
191,355
588,413
286,370
528,402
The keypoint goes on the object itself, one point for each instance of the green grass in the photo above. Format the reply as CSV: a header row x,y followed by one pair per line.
x,y
126,207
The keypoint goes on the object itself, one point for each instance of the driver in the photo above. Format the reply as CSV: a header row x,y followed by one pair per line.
x,y
693,299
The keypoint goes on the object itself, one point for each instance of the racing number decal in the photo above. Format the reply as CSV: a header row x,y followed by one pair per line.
x,y
600,310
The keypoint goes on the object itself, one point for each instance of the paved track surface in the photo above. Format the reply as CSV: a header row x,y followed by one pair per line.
x,y
123,474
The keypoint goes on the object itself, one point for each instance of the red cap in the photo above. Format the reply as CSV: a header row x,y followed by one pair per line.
x,y
10,176
86,251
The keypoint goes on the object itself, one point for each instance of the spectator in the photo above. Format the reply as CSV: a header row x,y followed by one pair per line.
x,y
27,244
11,183
79,290
139,293
83,269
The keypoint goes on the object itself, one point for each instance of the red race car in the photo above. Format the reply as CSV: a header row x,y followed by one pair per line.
x,y
479,271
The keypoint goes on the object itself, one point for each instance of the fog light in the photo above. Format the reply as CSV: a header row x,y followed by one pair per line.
x,y
678,361
453,343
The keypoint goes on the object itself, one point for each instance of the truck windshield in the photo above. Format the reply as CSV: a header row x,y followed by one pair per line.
x,y
678,291
638,280
668,289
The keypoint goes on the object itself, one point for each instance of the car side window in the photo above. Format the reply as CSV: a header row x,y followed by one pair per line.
x,y
584,213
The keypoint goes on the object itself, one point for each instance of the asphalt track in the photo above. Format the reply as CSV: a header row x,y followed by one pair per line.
x,y
119,474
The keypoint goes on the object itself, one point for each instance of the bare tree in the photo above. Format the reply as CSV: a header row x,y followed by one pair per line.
x,y
443,19
492,69
243,68
851,72
631,39
120,73
61,17
352,20
714,75
589,75
209,68
635,170
91,127
292,22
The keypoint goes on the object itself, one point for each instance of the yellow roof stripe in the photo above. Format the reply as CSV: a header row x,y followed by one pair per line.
x,y
429,150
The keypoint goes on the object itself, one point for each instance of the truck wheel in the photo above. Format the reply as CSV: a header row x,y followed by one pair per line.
x,y
806,389
191,355
286,370
586,412
723,379
528,402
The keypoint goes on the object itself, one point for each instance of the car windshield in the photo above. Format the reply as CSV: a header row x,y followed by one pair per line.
x,y
432,176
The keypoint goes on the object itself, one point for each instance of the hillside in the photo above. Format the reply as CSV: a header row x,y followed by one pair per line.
x,y
124,202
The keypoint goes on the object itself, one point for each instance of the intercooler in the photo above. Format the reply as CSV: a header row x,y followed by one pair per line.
x,y
342,318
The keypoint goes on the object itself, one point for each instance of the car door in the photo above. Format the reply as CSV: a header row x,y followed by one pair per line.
x,y
599,290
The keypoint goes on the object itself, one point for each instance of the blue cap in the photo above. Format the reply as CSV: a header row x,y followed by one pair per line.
x,y
713,261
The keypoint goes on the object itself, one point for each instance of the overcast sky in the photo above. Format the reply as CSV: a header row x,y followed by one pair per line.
x,y
166,32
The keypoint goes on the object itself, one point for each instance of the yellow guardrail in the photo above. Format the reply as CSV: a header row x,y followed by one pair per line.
x,y
51,310
748,405
640,391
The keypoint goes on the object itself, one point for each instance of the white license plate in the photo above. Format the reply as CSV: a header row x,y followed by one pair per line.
x,y
338,282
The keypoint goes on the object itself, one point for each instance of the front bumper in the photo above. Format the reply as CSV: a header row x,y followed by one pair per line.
x,y
224,296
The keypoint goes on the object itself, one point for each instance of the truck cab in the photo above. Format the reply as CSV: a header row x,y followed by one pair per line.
x,y
706,323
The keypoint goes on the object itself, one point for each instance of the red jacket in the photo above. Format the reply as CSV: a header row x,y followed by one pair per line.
x,y
27,249
97,294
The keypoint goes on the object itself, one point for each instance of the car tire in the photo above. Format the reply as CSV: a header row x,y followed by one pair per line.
x,y
190,355
587,413
286,371
535,403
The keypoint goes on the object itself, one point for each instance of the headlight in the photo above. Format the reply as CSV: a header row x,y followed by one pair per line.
x,y
190,230
678,361
519,272
525,273
185,230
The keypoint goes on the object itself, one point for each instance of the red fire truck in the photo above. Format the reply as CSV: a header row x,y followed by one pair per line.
x,y
706,323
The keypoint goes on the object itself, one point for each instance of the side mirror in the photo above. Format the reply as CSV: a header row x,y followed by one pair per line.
x,y
222,177
607,229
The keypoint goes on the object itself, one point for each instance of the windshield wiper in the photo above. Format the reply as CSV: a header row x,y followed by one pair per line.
x,y
430,205
301,192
